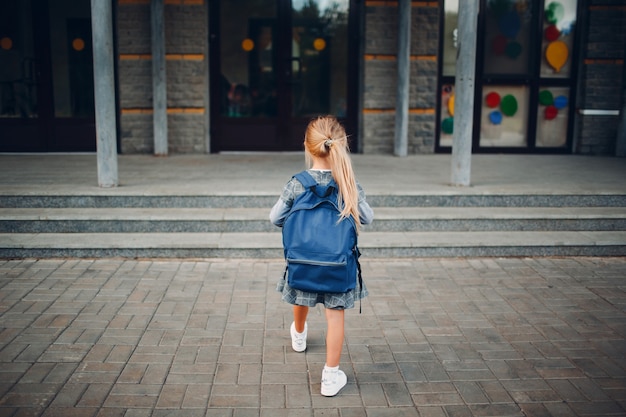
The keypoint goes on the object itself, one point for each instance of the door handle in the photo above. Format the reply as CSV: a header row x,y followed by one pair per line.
x,y
295,70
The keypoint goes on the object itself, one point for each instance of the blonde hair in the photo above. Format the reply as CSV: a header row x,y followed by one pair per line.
x,y
325,137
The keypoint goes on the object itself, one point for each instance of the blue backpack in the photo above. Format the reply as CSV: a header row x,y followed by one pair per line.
x,y
321,252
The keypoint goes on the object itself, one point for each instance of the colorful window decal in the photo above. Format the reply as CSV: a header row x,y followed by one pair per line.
x,y
447,106
509,26
552,104
557,51
507,106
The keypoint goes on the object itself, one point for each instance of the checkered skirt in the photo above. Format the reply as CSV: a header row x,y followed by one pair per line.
x,y
340,301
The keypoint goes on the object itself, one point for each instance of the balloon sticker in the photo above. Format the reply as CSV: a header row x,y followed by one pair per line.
x,y
508,105
451,105
447,126
498,45
551,33
545,98
499,7
492,100
554,12
510,24
513,50
508,16
447,103
495,117
557,54
505,106
560,102
550,112
553,104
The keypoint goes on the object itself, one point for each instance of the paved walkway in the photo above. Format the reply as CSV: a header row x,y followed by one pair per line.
x,y
437,337
451,337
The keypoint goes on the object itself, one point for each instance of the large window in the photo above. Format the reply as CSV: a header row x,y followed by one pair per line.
x,y
524,75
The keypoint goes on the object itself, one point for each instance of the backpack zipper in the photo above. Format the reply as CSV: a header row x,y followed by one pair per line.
x,y
316,263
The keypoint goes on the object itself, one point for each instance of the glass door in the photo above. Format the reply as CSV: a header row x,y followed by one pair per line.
x,y
46,76
275,64
20,88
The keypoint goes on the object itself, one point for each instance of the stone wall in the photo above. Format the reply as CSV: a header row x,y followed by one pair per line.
x,y
187,75
380,77
601,75
603,36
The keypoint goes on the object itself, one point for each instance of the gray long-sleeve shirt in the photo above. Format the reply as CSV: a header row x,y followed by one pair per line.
x,y
294,188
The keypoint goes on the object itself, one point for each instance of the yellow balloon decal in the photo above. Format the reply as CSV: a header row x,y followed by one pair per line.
x,y
557,54
451,105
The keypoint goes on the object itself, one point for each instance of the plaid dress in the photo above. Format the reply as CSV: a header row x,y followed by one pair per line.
x,y
340,301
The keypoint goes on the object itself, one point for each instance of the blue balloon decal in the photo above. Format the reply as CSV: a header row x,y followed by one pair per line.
x,y
560,102
495,117
509,24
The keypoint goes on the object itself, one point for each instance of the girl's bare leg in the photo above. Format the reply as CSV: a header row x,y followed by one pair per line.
x,y
299,317
334,336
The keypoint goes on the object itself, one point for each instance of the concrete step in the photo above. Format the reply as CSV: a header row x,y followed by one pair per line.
x,y
391,219
268,245
260,201
238,226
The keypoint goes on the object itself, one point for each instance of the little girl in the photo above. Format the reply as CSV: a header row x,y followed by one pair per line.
x,y
327,156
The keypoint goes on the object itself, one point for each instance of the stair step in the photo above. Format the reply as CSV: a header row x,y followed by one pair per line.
x,y
268,245
218,220
259,201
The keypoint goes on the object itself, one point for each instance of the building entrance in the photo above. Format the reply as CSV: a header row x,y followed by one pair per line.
x,y
275,64
46,76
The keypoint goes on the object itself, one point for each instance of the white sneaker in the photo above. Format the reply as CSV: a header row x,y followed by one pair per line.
x,y
333,380
298,340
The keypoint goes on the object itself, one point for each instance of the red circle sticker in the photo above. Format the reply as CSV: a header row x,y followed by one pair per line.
x,y
492,99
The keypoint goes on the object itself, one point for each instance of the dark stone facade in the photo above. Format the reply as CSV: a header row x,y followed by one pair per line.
x,y
600,75
187,76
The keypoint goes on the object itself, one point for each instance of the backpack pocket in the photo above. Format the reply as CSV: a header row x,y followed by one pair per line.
x,y
321,272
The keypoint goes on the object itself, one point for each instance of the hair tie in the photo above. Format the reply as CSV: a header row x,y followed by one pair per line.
x,y
328,143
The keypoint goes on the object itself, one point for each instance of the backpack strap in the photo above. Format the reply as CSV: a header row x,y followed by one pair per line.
x,y
309,183
306,179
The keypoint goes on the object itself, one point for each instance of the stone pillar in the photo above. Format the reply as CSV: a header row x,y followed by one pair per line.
x,y
104,89
464,93
620,144
401,142
159,81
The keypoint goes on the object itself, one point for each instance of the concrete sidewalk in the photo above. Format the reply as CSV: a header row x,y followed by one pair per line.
x,y
265,174
437,337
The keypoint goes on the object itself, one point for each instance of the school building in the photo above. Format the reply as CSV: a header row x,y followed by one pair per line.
x,y
247,75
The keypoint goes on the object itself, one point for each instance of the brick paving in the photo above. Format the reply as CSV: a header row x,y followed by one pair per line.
x,y
437,337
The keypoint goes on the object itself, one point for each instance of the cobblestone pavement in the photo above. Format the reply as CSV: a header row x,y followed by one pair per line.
x,y
437,337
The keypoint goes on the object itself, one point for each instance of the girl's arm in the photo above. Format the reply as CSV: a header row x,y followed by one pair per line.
x,y
284,203
279,212
366,214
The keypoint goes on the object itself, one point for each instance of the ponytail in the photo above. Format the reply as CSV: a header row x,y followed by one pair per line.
x,y
326,138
